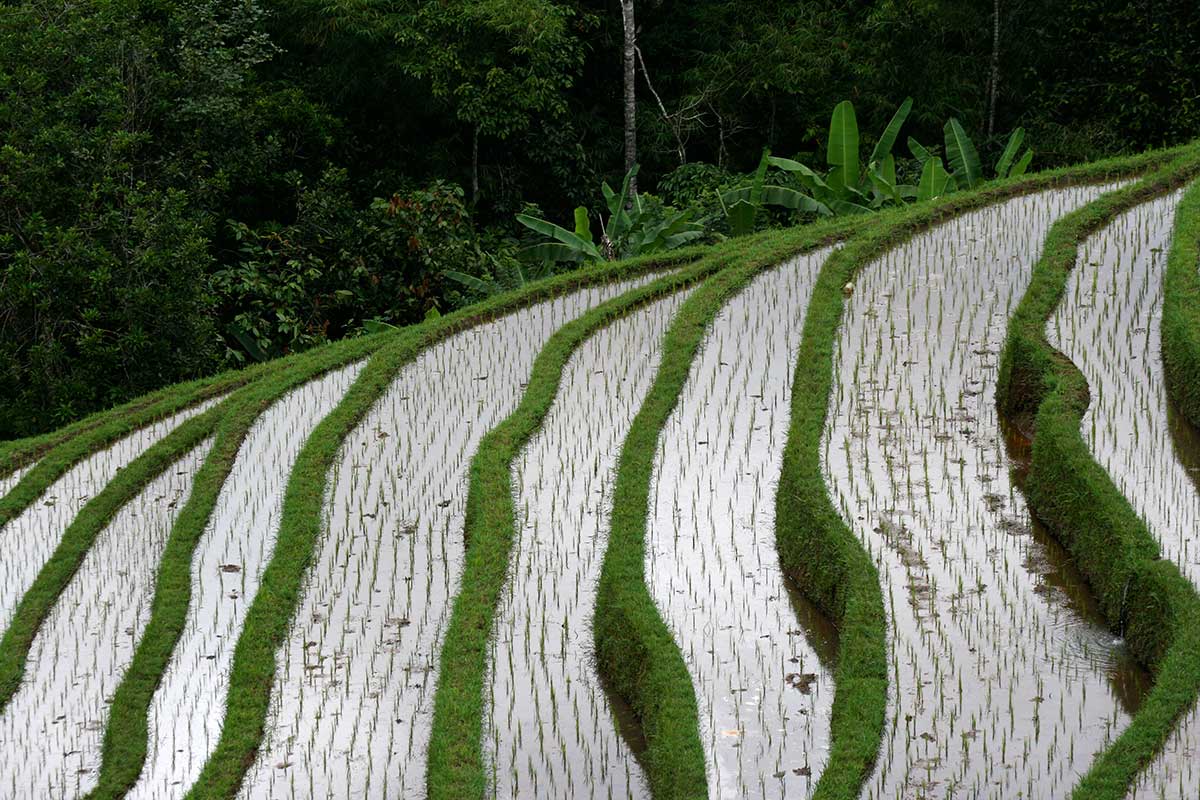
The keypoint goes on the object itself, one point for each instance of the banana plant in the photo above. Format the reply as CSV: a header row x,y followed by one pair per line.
x,y
845,189
966,172
508,276
741,205
963,157
632,230
1005,167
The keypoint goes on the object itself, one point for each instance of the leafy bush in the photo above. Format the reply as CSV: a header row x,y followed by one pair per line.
x,y
292,286
107,308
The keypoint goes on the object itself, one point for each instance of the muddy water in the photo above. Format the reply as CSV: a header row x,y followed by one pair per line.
x,y
712,567
353,696
999,688
52,730
550,731
189,706
27,542
1109,325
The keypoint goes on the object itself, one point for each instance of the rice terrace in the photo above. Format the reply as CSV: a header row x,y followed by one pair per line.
x,y
869,468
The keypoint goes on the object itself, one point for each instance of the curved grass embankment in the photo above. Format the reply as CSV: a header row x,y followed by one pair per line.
x,y
635,651
1145,598
457,767
265,630
58,451
1181,309
77,539
816,546
126,736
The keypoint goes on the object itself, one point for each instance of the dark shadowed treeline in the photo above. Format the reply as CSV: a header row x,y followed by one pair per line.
x,y
186,185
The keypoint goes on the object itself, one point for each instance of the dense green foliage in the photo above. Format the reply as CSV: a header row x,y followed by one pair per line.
x,y
185,186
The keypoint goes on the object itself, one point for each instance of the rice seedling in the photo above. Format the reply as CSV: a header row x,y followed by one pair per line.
x,y
1109,325
549,727
186,713
999,687
51,731
28,541
350,711
764,696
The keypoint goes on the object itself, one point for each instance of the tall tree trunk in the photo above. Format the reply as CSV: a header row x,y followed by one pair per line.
x,y
630,72
995,81
475,167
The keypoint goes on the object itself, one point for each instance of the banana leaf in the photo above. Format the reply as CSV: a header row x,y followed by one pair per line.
x,y
1010,152
561,234
883,148
919,151
964,160
842,151
1022,165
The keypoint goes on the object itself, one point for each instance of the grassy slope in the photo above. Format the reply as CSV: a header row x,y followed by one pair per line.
x,y
1146,598
1181,309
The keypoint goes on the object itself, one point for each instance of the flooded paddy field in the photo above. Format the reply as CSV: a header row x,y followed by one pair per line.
x,y
188,708
351,708
8,482
550,729
28,541
1108,324
763,693
998,687
52,730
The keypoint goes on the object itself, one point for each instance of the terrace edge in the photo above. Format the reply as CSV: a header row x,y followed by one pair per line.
x,y
1145,598
271,611
636,654
1181,309
816,547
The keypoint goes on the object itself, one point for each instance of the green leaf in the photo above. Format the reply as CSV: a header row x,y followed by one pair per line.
x,y
680,239
250,344
379,326
1022,165
790,198
471,282
619,222
760,177
964,160
843,142
883,148
550,251
918,150
431,314
933,180
810,179
561,234
846,208
1010,152
883,181
583,228
741,218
